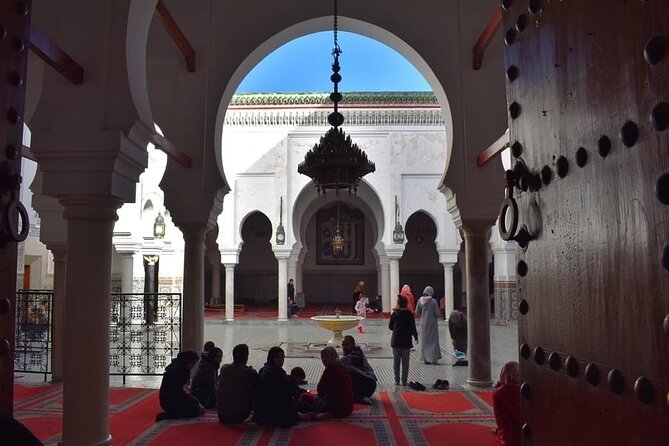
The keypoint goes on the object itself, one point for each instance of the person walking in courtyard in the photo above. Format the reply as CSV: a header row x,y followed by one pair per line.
x,y
357,291
203,385
173,398
406,292
428,311
361,311
237,387
506,404
362,374
403,325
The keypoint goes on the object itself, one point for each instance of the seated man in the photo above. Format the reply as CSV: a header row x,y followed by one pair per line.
x,y
362,374
335,392
237,387
173,398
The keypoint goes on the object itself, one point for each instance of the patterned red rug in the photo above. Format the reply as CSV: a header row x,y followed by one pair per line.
x,y
395,418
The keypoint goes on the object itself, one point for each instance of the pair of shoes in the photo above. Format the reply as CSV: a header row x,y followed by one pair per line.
x,y
417,386
441,384
404,383
397,383
428,362
461,362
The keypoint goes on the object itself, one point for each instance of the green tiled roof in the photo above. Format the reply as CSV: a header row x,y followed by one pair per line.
x,y
367,98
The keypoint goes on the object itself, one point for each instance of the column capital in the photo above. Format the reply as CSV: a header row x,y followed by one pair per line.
x,y
90,207
282,253
448,255
477,228
230,265
194,231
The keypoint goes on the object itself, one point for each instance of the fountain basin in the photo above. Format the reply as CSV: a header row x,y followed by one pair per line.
x,y
336,325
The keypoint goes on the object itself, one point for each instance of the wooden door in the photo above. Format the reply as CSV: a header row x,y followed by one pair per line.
x,y
588,96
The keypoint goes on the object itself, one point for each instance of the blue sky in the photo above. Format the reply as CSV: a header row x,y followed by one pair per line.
x,y
304,65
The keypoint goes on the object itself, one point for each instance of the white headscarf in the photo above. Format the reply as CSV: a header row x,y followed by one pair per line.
x,y
428,292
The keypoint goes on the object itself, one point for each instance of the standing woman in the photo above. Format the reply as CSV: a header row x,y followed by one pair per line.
x,y
428,310
403,325
411,302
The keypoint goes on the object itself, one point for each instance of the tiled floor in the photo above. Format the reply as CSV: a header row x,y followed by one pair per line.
x,y
262,334
260,337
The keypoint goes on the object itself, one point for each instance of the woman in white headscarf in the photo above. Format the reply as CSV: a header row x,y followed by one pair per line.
x,y
428,311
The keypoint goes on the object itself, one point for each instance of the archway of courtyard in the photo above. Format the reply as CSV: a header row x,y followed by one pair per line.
x,y
385,36
328,278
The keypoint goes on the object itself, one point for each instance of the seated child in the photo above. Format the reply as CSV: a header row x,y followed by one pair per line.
x,y
506,404
298,377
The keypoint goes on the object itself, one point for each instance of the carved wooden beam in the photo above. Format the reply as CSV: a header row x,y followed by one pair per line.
x,y
178,37
486,37
494,149
172,150
51,53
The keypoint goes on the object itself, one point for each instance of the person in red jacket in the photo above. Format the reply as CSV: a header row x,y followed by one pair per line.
x,y
506,403
335,390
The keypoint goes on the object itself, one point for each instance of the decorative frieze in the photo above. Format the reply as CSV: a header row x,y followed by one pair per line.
x,y
300,117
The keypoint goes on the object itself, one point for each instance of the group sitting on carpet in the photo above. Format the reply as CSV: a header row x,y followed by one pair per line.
x,y
269,397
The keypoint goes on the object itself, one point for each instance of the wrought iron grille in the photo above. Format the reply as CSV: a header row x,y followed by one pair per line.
x,y
145,333
33,331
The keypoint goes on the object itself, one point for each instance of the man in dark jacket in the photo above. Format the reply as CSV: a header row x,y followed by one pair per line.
x,y
362,374
203,385
173,398
237,387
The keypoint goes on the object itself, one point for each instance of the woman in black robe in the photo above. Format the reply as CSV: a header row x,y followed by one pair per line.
x,y
173,398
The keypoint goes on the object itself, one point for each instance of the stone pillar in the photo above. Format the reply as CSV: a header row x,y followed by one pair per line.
x,y
193,289
476,235
58,322
283,287
216,281
387,301
229,291
127,271
448,289
90,222
394,278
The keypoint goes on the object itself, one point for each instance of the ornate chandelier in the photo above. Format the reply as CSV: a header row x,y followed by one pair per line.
x,y
336,162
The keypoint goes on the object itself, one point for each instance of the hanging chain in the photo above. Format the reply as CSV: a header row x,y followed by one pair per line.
x,y
336,51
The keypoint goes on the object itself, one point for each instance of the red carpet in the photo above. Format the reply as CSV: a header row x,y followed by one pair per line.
x,y
407,418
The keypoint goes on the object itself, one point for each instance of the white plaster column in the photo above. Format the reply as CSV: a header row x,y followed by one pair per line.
x,y
216,281
192,336
90,222
229,291
386,300
476,235
299,276
448,288
283,287
58,310
394,277
127,271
